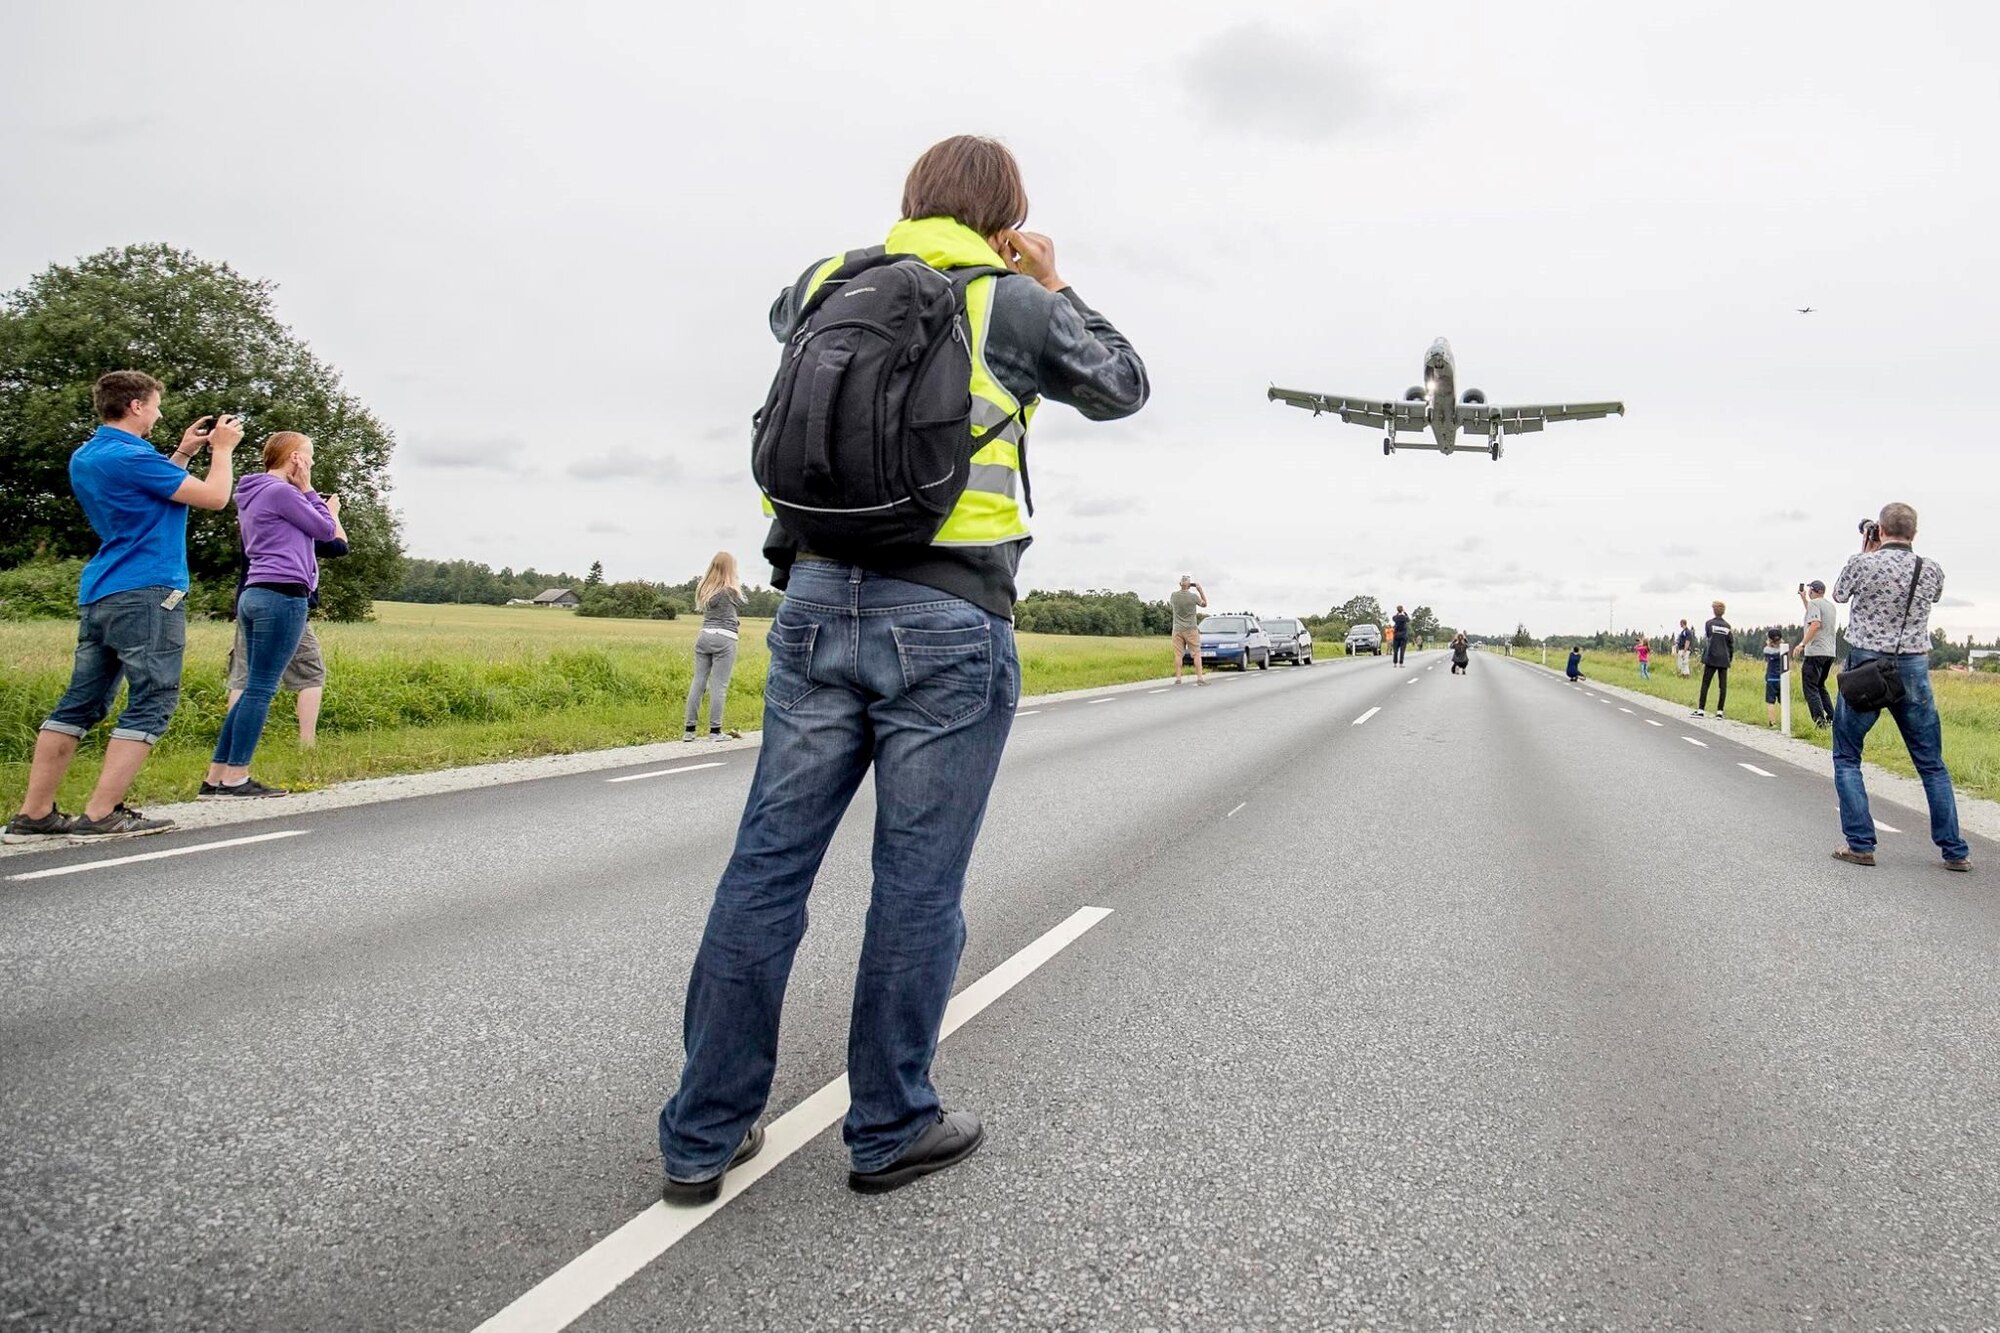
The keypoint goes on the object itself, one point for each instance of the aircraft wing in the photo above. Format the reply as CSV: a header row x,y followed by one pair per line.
x,y
1374,412
1529,417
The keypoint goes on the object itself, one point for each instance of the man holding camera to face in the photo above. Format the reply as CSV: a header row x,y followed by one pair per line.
x,y
1890,590
1816,647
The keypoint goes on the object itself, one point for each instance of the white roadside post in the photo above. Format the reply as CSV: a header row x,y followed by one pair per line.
x,y
1785,696
1545,652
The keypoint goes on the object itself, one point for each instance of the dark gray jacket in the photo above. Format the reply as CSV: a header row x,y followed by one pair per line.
x,y
1038,344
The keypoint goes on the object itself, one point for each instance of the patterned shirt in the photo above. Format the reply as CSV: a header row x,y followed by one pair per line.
x,y
1875,585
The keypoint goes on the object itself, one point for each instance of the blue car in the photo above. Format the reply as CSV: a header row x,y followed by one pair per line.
x,y
1235,640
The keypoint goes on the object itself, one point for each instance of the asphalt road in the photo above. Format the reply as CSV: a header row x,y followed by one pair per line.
x,y
1504,1008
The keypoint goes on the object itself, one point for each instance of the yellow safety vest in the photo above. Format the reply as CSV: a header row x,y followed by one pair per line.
x,y
990,512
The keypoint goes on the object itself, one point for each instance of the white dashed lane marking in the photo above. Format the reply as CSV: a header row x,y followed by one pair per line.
x,y
566,1295
159,856
1364,717
1108,699
1651,723
1623,709
1758,771
1232,813
1692,741
665,772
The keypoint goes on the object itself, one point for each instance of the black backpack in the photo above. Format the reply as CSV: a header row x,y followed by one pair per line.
x,y
865,440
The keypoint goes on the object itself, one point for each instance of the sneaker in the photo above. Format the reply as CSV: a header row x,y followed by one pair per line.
x,y
955,1137
693,1193
687,736
1201,680
1854,858
247,790
1963,863
208,789
122,822
732,734
54,824
1696,713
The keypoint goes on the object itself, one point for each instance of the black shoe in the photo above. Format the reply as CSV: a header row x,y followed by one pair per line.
x,y
122,822
247,790
22,828
691,1193
955,1137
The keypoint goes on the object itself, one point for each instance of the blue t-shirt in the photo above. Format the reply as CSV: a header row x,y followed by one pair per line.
x,y
125,487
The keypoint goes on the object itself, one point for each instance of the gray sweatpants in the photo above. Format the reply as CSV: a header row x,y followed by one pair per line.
x,y
714,659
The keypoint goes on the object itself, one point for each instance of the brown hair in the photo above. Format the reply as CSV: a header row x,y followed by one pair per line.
x,y
1720,609
970,178
280,447
114,393
1898,520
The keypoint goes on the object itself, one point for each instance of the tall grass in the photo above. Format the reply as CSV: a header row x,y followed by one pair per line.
x,y
1968,709
427,687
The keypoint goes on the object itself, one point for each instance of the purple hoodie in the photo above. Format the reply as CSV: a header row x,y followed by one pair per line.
x,y
280,523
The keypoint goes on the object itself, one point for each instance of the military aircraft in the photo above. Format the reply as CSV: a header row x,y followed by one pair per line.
x,y
1437,405
1806,309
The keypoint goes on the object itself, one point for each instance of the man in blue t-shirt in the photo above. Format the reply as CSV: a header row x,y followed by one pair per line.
x,y
134,626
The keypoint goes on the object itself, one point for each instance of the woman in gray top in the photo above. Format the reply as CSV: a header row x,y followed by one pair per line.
x,y
719,595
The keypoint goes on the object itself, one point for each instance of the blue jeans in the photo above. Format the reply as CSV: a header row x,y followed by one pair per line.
x,y
271,623
1917,718
1645,669
126,636
864,670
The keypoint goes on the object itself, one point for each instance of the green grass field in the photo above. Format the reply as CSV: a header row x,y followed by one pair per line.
x,y
428,687
1968,708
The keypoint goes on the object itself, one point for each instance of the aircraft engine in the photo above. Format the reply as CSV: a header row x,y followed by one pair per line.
x,y
1473,396
1413,394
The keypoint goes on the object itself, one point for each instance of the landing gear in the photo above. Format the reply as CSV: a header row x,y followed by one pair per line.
x,y
1494,447
1389,444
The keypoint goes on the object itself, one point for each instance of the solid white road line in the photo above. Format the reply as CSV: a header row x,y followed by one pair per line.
x,y
1886,828
573,1289
666,772
1107,699
1758,771
160,856
1232,813
1364,717
1028,712
1692,741
1162,690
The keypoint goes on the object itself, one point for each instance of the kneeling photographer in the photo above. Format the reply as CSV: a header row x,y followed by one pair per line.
x,y
1889,590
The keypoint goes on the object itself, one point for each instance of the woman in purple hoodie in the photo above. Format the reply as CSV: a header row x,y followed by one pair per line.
x,y
280,517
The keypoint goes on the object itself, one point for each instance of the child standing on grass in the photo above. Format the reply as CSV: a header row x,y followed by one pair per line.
x,y
1645,660
1774,674
720,598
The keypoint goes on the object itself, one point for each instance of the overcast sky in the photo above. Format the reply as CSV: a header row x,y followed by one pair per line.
x,y
539,241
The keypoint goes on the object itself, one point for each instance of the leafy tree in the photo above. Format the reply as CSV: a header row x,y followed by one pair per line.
x,y
1522,639
596,574
1358,611
213,337
1424,624
631,600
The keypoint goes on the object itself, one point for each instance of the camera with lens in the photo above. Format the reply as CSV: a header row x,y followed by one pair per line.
x,y
1870,529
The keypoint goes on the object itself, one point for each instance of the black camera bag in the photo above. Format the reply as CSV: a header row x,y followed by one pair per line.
x,y
1875,684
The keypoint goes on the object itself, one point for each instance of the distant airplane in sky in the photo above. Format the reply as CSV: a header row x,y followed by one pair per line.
x,y
1437,406
1805,310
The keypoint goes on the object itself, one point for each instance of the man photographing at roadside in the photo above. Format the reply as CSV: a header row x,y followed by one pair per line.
x,y
1890,590
134,623
1186,603
1816,646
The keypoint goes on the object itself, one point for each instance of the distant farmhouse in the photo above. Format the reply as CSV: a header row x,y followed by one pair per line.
x,y
558,597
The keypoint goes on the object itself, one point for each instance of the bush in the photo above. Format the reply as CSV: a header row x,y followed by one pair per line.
x,y
40,590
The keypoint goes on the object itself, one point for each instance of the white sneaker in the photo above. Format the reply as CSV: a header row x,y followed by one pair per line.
x,y
1696,713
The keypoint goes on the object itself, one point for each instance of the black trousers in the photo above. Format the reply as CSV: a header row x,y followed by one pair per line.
x,y
1398,659
1818,703
1721,676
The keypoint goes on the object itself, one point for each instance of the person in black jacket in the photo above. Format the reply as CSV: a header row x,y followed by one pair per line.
x,y
900,660
1718,649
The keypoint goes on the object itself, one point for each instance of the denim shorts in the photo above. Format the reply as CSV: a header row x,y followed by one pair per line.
x,y
1770,690
125,636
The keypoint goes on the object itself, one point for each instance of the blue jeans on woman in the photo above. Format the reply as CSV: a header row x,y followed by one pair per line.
x,y
1917,718
272,622
864,670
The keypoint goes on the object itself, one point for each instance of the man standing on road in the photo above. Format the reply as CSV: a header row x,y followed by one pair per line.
x,y
1401,620
134,625
1816,645
1718,650
1683,648
899,657
1890,591
1186,602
